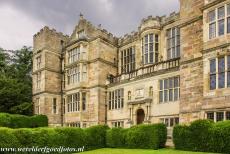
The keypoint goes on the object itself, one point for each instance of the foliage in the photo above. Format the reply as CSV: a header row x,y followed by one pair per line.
x,y
115,137
16,81
203,135
96,136
21,121
147,136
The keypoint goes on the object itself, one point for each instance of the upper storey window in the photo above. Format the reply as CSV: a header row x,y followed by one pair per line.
x,y
128,60
81,34
220,72
219,21
74,55
38,59
150,48
173,43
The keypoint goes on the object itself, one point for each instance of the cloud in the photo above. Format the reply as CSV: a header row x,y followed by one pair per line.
x,y
117,16
16,28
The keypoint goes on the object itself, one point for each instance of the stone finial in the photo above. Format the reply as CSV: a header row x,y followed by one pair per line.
x,y
81,16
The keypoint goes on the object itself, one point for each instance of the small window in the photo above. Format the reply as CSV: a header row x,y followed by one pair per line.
x,y
129,95
210,115
54,106
151,91
219,116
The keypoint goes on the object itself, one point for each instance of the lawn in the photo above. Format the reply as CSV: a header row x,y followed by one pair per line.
x,y
139,151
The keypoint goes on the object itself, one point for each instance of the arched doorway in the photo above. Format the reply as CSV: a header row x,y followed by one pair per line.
x,y
140,116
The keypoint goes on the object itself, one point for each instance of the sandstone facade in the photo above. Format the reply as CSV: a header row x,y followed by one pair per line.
x,y
160,73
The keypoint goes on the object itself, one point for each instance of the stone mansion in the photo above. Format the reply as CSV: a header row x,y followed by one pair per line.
x,y
172,69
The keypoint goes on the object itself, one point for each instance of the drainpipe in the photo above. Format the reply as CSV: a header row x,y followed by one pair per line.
x,y
62,73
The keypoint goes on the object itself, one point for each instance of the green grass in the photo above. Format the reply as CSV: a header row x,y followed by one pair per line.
x,y
139,151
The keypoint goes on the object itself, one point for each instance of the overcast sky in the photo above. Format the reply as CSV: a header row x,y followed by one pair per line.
x,y
21,19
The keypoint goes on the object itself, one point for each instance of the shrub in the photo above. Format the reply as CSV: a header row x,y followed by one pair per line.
x,y
7,138
21,121
200,134
203,135
96,136
147,136
115,137
71,137
181,137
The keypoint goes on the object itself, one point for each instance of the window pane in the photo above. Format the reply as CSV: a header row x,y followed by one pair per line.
x,y
176,120
221,80
228,9
176,94
212,30
228,25
151,38
212,16
228,78
212,82
221,27
171,80
213,66
221,65
210,116
166,96
228,62
171,122
227,115
166,84
221,13
151,57
161,97
176,82
156,38
171,95
219,116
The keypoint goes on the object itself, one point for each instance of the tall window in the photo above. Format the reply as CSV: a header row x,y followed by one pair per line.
x,y
129,95
83,101
74,55
54,105
218,20
73,103
37,106
150,48
173,43
218,75
150,91
128,60
38,59
73,75
84,72
169,90
116,99
38,80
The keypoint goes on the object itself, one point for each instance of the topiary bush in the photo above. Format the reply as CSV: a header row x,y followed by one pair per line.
x,y
96,137
146,136
115,137
21,121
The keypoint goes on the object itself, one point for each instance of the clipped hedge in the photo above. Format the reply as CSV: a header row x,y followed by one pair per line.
x,y
142,136
21,121
96,137
115,137
203,135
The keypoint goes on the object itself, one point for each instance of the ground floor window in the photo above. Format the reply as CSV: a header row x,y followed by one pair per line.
x,y
170,121
118,124
218,115
77,124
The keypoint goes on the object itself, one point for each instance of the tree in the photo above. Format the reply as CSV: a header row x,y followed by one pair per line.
x,y
16,81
